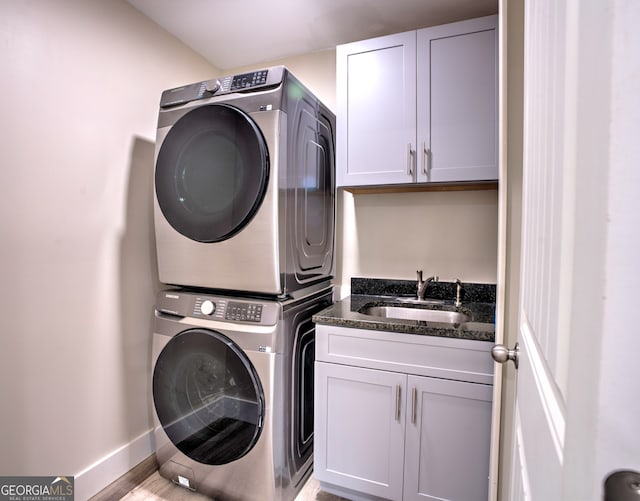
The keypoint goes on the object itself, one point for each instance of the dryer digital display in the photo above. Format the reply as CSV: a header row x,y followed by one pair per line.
x,y
249,80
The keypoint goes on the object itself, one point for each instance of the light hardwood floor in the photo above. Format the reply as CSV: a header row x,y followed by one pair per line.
x,y
157,488
144,483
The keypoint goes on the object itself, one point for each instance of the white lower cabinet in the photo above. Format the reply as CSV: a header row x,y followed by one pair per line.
x,y
385,434
447,444
361,427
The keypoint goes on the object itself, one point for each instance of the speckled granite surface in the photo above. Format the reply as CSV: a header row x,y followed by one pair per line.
x,y
478,303
472,293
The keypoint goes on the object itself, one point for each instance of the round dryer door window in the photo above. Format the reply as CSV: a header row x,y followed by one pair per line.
x,y
208,397
212,172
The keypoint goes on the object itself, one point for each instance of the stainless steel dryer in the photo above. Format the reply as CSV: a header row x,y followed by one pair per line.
x,y
233,393
245,185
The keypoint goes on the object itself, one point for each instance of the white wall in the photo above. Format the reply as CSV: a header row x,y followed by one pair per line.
x,y
80,87
618,440
449,234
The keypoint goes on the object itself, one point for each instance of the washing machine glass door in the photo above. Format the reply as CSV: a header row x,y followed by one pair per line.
x,y
211,172
208,397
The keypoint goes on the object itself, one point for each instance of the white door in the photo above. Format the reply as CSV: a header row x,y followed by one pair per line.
x,y
547,226
575,417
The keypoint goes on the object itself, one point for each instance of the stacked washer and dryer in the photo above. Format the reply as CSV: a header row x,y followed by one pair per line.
x,y
244,222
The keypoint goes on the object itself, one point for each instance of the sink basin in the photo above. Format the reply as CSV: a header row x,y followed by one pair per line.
x,y
403,313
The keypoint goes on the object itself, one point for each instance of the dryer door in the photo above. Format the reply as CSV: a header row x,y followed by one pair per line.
x,y
208,397
211,173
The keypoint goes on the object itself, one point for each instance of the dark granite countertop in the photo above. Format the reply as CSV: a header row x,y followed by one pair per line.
x,y
478,304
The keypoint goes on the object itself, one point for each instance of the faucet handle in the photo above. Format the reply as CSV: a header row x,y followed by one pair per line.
x,y
419,273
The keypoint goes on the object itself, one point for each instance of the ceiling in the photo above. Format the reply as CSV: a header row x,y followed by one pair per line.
x,y
235,33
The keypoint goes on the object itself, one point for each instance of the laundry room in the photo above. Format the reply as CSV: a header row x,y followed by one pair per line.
x,y
121,295
79,262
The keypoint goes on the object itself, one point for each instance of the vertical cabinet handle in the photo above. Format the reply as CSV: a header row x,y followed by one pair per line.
x,y
409,160
414,404
397,402
426,157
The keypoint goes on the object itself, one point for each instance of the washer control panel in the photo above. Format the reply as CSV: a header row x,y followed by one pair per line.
x,y
220,308
238,311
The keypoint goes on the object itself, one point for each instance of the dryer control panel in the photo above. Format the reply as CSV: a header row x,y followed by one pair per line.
x,y
245,82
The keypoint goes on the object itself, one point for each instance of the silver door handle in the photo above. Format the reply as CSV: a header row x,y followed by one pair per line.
x,y
501,354
397,402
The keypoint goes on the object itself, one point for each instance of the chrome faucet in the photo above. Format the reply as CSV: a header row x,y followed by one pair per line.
x,y
422,284
459,290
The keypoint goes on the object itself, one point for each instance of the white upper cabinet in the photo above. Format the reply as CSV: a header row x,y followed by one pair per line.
x,y
376,110
420,106
458,101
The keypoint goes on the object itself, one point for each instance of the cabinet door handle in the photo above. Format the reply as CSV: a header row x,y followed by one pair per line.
x,y
426,160
414,404
409,160
397,402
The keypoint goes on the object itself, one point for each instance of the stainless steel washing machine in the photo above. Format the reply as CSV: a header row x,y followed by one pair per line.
x,y
245,185
233,393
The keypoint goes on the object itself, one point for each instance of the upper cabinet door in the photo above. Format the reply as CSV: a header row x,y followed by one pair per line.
x,y
376,117
457,96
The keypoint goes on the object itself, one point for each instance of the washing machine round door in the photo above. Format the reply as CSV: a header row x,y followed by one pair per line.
x,y
208,397
212,172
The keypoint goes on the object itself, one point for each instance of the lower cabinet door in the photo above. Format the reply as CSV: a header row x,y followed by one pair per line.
x,y
447,440
360,425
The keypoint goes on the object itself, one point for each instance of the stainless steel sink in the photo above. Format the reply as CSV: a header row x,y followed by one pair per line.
x,y
403,313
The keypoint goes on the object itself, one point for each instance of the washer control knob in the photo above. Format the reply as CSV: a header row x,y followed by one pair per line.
x,y
207,307
212,86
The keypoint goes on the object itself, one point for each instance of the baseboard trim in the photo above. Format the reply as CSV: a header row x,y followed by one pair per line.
x,y
92,480
129,481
